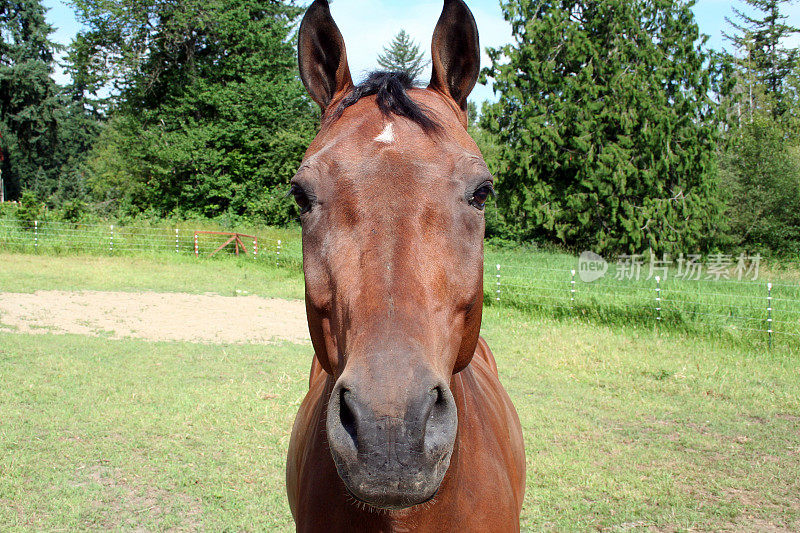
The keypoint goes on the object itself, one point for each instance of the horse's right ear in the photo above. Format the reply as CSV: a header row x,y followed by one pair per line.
x,y
455,53
321,55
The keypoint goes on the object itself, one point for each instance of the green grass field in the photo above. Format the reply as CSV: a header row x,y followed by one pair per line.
x,y
536,281
626,427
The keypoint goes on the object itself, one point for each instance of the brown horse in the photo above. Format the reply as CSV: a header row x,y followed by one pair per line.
x,y
406,426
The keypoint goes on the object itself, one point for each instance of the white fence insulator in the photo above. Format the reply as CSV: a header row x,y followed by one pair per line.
x,y
769,314
572,290
497,289
658,298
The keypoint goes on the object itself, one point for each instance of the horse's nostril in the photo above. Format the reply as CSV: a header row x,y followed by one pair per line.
x,y
441,422
346,415
440,399
437,397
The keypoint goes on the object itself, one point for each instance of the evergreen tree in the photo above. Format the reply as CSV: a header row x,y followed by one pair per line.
x,y
80,121
764,63
760,164
403,54
211,117
30,107
760,173
605,124
489,146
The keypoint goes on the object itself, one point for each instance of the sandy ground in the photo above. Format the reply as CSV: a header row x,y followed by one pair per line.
x,y
156,316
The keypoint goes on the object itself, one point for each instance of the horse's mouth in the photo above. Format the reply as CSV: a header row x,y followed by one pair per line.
x,y
386,507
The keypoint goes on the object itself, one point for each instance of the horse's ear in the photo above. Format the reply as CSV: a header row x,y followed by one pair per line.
x,y
456,53
321,55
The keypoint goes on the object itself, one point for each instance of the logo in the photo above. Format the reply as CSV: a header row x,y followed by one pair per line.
x,y
591,267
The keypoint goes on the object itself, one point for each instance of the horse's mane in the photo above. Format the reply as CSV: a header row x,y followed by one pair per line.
x,y
391,93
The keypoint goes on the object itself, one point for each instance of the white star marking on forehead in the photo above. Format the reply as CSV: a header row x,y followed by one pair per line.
x,y
387,135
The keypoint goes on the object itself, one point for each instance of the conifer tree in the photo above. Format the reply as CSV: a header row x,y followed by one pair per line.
x,y
760,167
605,125
760,172
29,100
763,61
403,54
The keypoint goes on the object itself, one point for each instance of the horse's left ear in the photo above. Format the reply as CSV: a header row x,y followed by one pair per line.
x,y
456,53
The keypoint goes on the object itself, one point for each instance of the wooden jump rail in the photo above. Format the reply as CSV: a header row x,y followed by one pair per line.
x,y
235,238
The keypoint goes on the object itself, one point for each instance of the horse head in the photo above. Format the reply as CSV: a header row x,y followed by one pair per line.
x,y
391,194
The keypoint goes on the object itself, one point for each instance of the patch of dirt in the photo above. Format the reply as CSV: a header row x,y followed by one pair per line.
x,y
156,316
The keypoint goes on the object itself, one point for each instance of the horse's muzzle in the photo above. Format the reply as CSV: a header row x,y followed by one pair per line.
x,y
391,449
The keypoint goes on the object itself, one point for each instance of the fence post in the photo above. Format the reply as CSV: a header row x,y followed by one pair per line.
x,y
278,254
35,235
497,289
769,315
196,246
255,247
111,242
658,298
572,290
176,241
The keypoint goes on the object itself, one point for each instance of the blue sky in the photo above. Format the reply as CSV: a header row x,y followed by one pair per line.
x,y
367,25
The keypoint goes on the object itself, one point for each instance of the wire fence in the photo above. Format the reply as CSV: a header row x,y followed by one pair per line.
x,y
750,307
110,239
756,308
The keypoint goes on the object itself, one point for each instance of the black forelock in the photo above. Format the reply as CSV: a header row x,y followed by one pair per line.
x,y
391,90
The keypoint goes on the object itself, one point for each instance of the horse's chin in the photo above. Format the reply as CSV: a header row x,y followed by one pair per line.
x,y
386,495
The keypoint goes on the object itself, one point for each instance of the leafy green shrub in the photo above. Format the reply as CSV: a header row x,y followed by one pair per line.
x,y
30,208
73,210
760,173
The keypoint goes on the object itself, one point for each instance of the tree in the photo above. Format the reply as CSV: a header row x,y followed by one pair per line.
x,y
29,101
606,128
761,178
489,146
760,163
403,54
210,117
764,63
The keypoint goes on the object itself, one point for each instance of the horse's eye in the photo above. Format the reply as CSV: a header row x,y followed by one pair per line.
x,y
480,195
300,196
